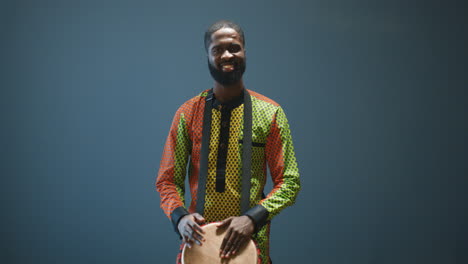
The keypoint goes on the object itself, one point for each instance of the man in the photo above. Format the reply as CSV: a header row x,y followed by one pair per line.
x,y
230,134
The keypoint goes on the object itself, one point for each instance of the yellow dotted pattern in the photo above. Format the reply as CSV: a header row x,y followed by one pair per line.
x,y
262,115
221,205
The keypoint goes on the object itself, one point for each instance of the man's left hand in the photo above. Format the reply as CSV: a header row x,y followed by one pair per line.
x,y
240,230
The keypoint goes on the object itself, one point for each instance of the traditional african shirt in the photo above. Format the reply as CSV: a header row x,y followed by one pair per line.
x,y
271,145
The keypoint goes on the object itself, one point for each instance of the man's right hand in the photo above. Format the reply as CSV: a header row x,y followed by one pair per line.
x,y
190,230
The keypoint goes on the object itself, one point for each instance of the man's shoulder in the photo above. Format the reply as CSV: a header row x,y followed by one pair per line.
x,y
194,101
260,98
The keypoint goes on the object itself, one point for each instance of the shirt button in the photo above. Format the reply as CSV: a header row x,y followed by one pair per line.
x,y
224,123
222,145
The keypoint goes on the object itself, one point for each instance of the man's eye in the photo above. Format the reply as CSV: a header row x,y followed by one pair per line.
x,y
234,49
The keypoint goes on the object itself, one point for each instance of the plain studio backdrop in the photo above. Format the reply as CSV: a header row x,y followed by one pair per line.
x,y
375,93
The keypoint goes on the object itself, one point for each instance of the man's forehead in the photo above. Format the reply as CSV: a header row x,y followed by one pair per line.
x,y
225,33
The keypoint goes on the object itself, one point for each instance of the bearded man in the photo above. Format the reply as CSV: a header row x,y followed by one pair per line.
x,y
230,134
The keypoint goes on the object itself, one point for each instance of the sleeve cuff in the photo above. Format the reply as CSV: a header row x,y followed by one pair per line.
x,y
176,215
259,216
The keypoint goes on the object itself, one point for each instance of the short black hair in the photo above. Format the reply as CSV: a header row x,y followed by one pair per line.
x,y
219,25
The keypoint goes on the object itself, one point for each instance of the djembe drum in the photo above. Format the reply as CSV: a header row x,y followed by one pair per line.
x,y
208,253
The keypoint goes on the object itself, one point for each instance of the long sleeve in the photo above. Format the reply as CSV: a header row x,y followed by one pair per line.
x,y
281,160
170,182
284,172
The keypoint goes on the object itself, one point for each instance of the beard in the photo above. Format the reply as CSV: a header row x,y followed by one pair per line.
x,y
228,78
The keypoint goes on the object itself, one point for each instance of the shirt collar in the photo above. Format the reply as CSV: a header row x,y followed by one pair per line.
x,y
235,102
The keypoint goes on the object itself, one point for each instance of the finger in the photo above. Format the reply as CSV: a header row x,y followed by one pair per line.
x,y
232,244
197,228
196,233
225,240
186,241
237,246
190,235
197,238
200,219
224,222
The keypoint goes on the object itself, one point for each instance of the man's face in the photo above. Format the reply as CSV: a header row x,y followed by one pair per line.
x,y
226,56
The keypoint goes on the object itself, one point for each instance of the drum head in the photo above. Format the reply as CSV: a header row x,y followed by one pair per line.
x,y
208,253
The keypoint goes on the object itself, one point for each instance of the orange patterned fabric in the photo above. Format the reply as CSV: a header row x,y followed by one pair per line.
x,y
271,145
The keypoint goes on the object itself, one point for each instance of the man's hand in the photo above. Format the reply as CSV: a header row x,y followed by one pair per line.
x,y
190,230
240,230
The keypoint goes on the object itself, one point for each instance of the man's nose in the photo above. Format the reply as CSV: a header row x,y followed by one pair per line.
x,y
226,55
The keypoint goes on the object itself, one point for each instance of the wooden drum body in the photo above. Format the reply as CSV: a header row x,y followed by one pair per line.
x,y
208,253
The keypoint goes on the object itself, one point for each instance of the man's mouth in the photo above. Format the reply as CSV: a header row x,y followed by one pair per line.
x,y
227,67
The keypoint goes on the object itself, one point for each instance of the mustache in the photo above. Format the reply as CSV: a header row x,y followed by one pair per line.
x,y
230,62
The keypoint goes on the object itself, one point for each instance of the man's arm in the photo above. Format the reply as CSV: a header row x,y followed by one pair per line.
x,y
281,160
170,182
285,175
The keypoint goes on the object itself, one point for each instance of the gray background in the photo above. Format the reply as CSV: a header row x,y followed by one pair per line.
x,y
374,92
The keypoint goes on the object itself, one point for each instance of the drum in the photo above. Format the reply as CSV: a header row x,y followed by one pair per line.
x,y
208,252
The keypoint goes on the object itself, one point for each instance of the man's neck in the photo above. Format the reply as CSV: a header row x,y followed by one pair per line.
x,y
225,93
